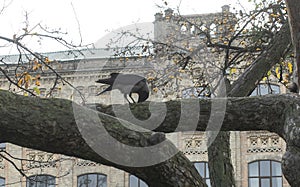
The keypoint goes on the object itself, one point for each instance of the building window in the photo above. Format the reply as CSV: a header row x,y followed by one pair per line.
x,y
79,91
264,89
2,181
198,92
136,182
41,181
264,173
92,180
92,90
2,146
202,168
42,92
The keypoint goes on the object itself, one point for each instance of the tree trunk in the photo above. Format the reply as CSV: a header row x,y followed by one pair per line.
x,y
291,158
219,156
293,8
220,166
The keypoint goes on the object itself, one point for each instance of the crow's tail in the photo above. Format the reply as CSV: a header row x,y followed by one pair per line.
x,y
107,89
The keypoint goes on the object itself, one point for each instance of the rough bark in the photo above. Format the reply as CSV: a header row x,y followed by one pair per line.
x,y
275,113
293,8
219,156
291,158
52,125
240,113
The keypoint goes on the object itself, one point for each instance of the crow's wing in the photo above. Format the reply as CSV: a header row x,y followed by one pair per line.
x,y
128,79
109,80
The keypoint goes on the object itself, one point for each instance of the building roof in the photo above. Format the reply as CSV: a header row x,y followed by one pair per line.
x,y
87,54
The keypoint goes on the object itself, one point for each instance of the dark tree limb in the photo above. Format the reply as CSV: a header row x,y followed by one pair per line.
x,y
276,50
50,125
240,114
57,126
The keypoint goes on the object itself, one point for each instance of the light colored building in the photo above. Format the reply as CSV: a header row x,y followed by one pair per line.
x,y
256,156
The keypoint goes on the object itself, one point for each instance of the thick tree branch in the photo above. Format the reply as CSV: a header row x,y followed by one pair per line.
x,y
240,114
244,85
60,126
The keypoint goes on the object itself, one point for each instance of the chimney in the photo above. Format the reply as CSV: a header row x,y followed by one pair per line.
x,y
225,8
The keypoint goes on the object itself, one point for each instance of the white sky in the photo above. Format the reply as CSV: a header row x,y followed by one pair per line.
x,y
96,17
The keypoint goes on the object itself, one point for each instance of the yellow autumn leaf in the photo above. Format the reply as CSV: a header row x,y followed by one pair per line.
x,y
232,71
155,89
277,71
38,83
290,67
34,68
47,60
27,77
20,82
243,43
269,73
150,79
265,78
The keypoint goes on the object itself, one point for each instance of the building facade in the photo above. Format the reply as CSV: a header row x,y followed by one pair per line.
x,y
256,156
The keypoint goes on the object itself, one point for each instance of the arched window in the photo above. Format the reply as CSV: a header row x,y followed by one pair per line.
x,y
78,91
41,181
213,30
202,168
2,181
92,180
80,88
136,182
264,89
193,30
264,173
183,29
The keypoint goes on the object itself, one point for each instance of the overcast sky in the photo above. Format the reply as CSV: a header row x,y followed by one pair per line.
x,y
96,17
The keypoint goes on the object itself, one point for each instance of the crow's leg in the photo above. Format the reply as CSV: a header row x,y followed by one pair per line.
x,y
131,98
125,96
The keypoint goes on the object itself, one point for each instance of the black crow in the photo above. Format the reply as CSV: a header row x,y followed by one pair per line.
x,y
292,87
127,84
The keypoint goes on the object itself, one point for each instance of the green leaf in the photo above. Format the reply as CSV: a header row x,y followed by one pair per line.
x,y
37,90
